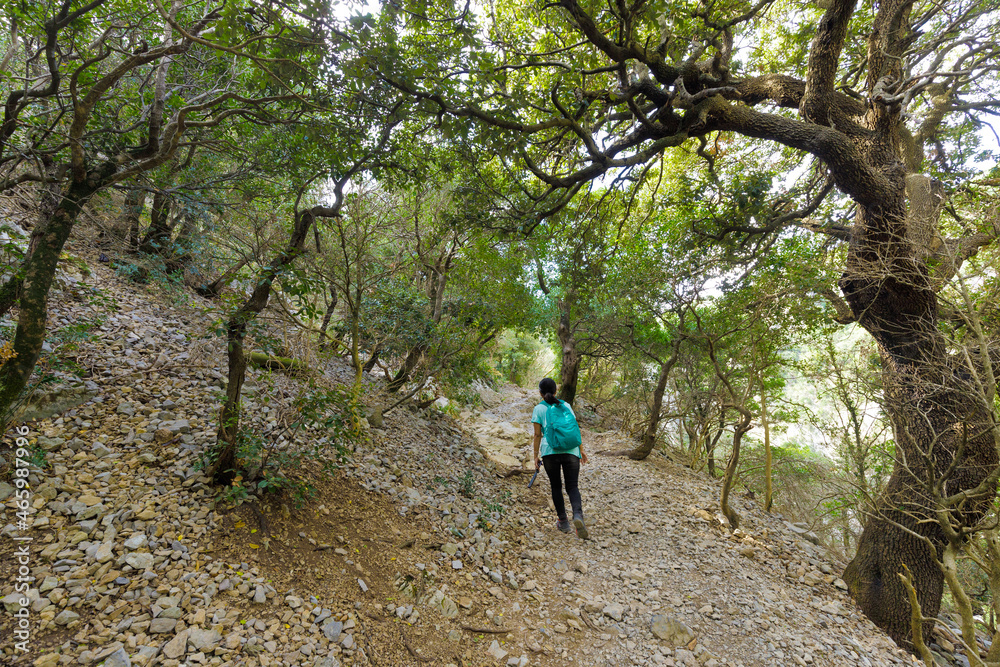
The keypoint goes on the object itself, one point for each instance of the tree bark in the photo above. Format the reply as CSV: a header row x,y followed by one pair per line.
x,y
768,454
135,202
741,428
649,437
157,237
49,198
47,241
711,442
402,376
224,468
569,369
214,288
327,316
926,399
179,255
372,361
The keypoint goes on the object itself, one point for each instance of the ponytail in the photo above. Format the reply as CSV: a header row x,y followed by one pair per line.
x,y
547,388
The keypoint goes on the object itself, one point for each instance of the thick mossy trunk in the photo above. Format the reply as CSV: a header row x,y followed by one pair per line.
x,y
49,198
768,454
224,469
10,291
569,369
274,363
47,241
931,407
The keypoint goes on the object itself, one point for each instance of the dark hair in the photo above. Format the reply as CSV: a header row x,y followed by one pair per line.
x,y
547,387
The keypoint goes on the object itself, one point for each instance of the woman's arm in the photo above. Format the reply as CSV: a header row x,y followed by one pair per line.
x,y
537,442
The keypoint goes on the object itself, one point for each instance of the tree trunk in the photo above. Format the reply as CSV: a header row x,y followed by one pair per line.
x,y
403,374
49,198
157,239
949,567
993,552
372,360
179,255
10,292
46,245
734,461
927,399
768,454
569,369
711,443
224,469
214,289
135,202
327,316
649,436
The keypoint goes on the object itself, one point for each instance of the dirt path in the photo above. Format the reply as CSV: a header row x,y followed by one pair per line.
x,y
660,556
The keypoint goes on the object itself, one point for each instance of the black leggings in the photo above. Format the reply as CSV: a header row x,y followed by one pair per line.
x,y
570,467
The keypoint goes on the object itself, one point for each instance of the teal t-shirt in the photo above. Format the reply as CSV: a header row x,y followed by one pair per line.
x,y
538,417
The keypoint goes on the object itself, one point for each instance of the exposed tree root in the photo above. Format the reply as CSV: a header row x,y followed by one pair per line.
x,y
413,651
486,631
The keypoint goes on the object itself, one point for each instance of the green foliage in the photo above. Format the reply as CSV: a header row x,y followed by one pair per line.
x,y
134,272
36,457
515,357
493,510
467,485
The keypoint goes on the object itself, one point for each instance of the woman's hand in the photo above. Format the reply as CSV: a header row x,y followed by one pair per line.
x,y
583,457
538,463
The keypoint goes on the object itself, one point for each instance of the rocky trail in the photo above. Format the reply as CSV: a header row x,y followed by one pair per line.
x,y
416,551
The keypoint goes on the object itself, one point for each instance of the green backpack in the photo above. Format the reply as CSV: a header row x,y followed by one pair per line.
x,y
561,430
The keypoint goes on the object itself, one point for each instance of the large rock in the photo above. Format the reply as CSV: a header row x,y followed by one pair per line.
x,y
327,661
497,652
105,552
176,647
140,561
670,630
66,617
118,659
49,660
204,640
332,630
162,625
443,604
137,541
615,611
13,601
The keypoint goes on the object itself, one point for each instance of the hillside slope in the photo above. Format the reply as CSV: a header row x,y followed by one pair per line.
x,y
415,552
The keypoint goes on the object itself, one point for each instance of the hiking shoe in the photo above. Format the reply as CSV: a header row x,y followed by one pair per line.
x,y
563,525
581,529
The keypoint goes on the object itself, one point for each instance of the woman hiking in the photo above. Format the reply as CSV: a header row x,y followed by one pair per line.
x,y
558,445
